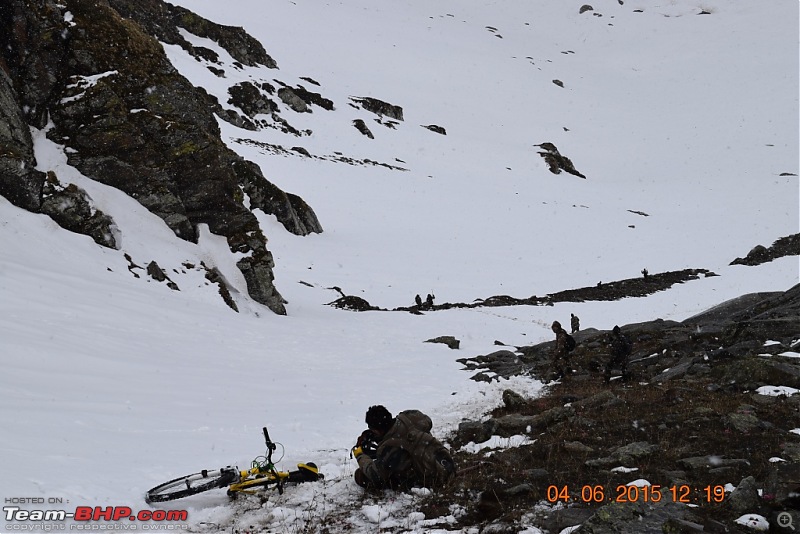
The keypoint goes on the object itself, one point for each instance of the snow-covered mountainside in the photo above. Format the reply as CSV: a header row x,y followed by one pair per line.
x,y
423,138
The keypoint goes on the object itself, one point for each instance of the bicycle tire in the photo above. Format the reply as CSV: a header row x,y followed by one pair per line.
x,y
183,486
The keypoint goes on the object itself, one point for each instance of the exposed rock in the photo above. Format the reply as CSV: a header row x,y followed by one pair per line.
x,y
436,129
513,400
450,341
162,20
290,210
361,126
353,303
785,246
258,275
251,99
635,517
625,455
71,207
215,277
20,182
555,161
310,98
475,431
379,107
576,447
502,363
291,99
158,274
744,499
743,420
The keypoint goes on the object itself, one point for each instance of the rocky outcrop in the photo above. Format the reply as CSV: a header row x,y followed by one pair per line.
x,y
20,182
435,128
760,324
131,121
290,210
362,127
379,107
785,246
71,207
557,162
712,401
163,20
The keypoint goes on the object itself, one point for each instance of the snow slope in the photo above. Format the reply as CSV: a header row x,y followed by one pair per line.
x,y
112,382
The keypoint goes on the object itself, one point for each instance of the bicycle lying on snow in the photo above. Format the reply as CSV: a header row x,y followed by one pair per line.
x,y
261,474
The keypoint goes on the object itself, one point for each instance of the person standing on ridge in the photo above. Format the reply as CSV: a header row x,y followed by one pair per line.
x,y
561,351
620,348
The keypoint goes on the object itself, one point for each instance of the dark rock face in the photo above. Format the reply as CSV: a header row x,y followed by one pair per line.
x,y
129,120
20,183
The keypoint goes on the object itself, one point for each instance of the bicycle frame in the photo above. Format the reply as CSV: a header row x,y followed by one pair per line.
x,y
260,474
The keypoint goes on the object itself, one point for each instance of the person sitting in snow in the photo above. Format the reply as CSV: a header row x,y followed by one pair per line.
x,y
400,453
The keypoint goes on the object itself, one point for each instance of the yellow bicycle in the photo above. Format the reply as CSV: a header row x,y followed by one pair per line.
x,y
261,474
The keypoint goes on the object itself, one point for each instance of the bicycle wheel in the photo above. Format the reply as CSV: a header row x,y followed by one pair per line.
x,y
192,484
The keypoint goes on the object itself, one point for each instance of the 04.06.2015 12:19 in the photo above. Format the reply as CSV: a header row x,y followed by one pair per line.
x,y
624,493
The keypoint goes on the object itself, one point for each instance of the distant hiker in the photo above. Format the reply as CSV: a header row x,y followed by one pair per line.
x,y
400,452
418,300
565,344
620,347
645,273
575,323
429,301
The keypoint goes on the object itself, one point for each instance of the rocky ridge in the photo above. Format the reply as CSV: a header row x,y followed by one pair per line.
x,y
709,420
642,286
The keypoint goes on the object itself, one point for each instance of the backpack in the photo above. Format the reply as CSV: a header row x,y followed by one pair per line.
x,y
432,461
571,343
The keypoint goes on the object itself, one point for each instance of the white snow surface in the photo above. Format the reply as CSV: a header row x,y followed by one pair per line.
x,y
685,124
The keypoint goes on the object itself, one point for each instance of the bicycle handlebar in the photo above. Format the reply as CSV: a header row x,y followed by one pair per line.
x,y
270,445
